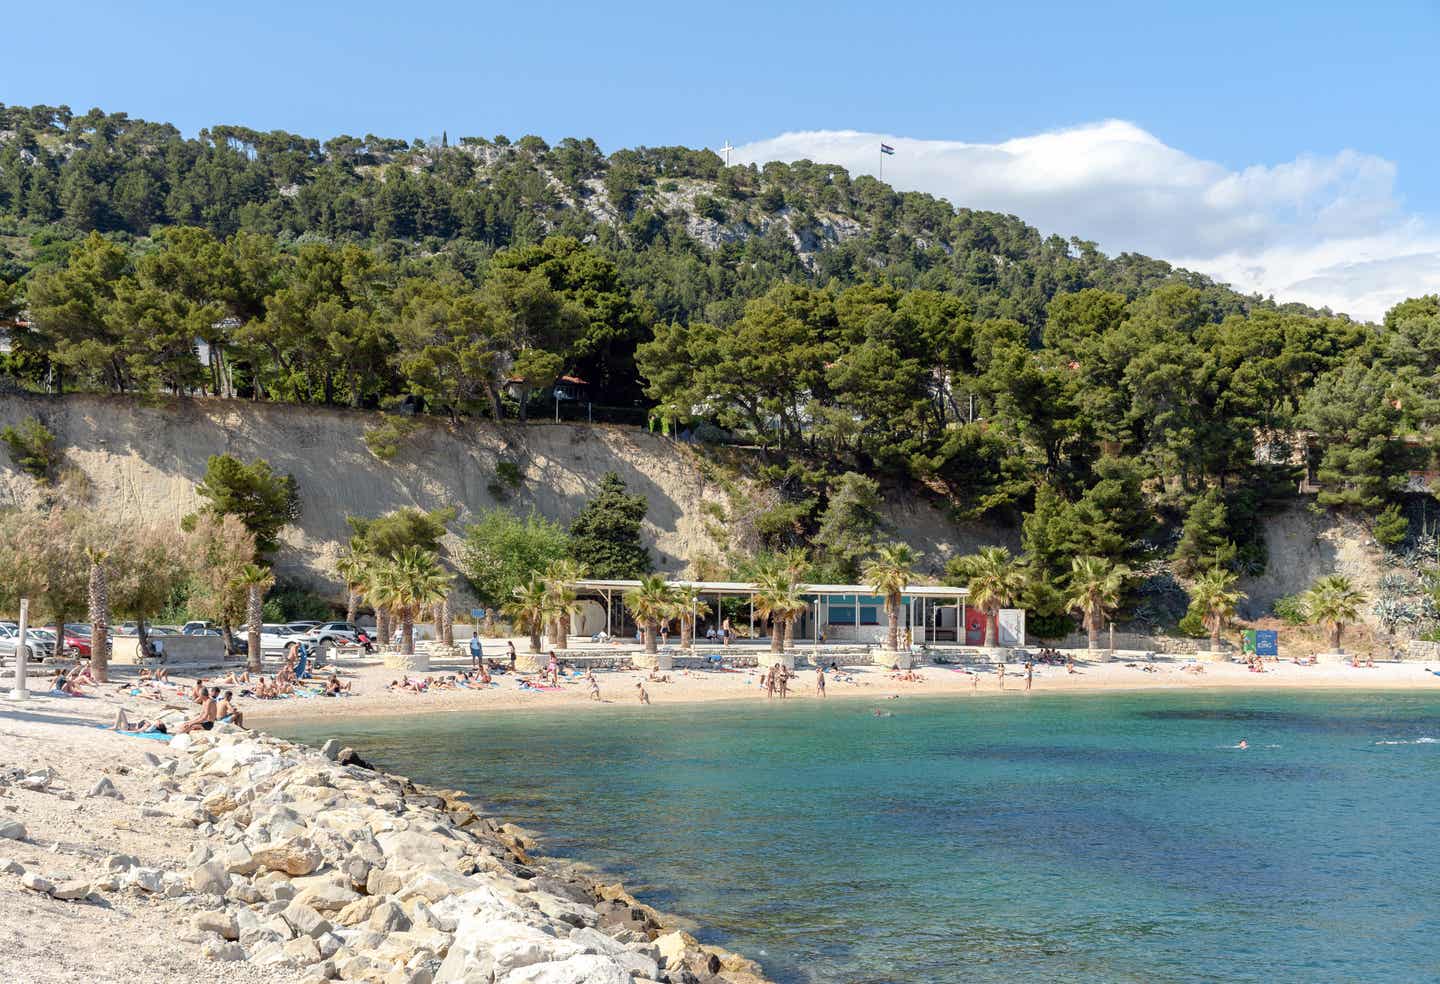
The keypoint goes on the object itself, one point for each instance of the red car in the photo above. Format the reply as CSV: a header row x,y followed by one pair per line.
x,y
79,643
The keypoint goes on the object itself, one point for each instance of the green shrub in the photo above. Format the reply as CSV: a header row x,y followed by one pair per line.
x,y
1290,610
288,601
1193,626
507,481
1391,527
386,438
1048,626
32,448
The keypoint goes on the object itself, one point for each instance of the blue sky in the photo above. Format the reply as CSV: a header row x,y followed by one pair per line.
x,y
1232,86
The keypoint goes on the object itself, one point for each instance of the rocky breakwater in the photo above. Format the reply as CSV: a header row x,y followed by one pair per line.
x,y
313,865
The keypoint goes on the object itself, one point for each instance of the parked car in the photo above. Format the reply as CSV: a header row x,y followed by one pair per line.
x,y
38,646
130,629
199,628
77,643
274,637
328,633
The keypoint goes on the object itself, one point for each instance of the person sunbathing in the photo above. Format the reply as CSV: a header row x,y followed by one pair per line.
x,y
161,675
63,686
198,693
657,677
143,726
228,712
234,679
81,674
334,688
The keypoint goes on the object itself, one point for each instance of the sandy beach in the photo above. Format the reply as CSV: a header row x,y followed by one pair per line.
x,y
690,686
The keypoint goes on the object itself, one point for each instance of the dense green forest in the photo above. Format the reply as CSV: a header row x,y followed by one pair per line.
x,y
1112,406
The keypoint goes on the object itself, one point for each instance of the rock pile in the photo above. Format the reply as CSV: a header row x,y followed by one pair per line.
x,y
302,861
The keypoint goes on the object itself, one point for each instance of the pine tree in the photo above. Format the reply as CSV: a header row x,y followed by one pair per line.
x,y
1204,541
605,536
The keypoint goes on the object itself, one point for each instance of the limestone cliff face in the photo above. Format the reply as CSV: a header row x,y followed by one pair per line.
x,y
142,459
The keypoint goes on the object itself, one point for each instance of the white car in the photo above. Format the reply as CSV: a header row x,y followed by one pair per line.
x,y
329,633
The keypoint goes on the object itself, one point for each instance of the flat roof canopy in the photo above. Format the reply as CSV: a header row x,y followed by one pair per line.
x,y
943,591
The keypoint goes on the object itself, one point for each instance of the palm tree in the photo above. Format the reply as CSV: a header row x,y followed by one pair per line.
x,y
1094,588
371,588
352,567
99,613
774,596
529,608
889,573
650,604
1216,596
256,580
996,581
795,606
688,609
1334,602
408,584
560,577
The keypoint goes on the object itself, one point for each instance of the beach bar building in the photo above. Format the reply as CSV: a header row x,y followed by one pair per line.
x,y
933,614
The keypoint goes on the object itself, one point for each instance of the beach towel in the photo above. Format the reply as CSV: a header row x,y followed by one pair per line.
x,y
153,735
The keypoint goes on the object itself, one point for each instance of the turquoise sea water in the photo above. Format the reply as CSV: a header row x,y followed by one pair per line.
x,y
1049,838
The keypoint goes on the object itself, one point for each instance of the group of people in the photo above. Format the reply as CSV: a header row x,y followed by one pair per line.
x,y
214,707
776,680
67,683
477,654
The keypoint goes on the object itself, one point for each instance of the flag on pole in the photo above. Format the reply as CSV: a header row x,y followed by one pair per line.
x,y
886,149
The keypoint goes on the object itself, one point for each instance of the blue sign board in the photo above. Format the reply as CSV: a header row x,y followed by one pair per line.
x,y
477,613
1267,643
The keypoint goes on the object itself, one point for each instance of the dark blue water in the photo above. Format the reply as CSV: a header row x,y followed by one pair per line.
x,y
1056,837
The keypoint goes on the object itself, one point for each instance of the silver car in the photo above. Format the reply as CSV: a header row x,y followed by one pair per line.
x,y
39,646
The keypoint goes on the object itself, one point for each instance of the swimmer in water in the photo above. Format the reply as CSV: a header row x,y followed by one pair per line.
x,y
1243,744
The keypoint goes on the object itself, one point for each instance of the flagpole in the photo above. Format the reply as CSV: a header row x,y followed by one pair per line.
x,y
882,165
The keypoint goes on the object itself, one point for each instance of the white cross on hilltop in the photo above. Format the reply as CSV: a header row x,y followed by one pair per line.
x,y
726,151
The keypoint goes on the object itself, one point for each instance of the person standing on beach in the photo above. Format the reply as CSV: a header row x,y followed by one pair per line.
x,y
644,694
784,676
1002,676
510,652
725,632
974,682
820,681
1029,674
768,681
476,652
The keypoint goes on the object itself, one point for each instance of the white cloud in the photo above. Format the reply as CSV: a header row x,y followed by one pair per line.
x,y
1323,230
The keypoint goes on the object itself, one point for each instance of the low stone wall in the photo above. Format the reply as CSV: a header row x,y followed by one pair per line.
x,y
206,650
1421,650
416,662
1173,645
